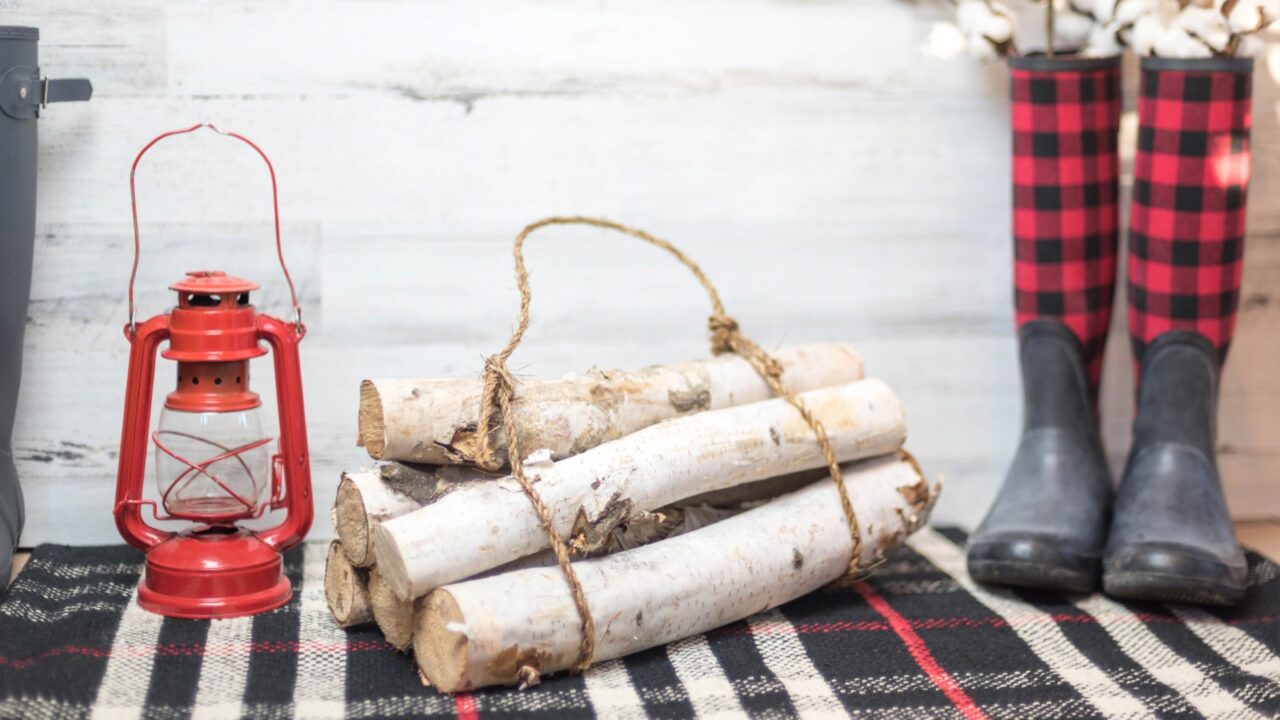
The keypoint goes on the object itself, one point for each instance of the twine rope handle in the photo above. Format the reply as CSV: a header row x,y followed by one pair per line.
x,y
726,337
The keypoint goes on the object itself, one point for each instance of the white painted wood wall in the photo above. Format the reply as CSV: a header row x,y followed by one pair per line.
x,y
833,181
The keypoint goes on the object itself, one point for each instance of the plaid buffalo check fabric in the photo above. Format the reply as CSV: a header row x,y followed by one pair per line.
x,y
1066,119
1191,175
917,639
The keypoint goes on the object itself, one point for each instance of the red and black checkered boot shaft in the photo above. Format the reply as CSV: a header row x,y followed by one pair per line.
x,y
1066,119
1191,176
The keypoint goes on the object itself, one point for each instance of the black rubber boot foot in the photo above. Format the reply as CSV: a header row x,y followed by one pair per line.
x,y
1032,562
1046,528
1171,537
1164,572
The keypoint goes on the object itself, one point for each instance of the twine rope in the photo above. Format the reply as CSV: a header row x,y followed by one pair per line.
x,y
726,337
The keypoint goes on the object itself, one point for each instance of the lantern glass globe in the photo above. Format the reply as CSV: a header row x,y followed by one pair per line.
x,y
217,478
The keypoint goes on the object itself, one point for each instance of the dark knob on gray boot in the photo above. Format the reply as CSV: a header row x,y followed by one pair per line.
x,y
1171,538
1047,527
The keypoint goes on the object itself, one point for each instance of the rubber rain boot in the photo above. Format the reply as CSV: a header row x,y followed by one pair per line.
x,y
1172,539
23,94
1047,527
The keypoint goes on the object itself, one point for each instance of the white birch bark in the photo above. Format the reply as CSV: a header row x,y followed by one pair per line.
x,y
376,494
395,616
515,626
483,525
434,421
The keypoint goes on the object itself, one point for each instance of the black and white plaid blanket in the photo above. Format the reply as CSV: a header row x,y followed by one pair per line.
x,y
916,640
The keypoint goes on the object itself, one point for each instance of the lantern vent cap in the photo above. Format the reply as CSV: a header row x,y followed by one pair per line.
x,y
212,282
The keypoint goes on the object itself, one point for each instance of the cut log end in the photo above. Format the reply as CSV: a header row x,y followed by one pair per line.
x,y
351,523
440,644
372,427
346,589
390,562
393,615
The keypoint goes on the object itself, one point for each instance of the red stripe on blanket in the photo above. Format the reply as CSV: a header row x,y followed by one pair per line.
x,y
920,653
173,650
465,705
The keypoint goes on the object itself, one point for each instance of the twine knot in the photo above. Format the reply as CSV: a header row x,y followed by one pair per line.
x,y
723,331
726,337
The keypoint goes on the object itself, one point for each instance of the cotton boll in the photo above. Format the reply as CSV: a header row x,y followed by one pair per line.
x,y
1204,23
998,28
1270,9
1071,30
1166,11
1102,10
945,41
977,19
972,16
1249,15
981,48
1102,42
1176,43
1147,32
1128,11
1244,16
1251,46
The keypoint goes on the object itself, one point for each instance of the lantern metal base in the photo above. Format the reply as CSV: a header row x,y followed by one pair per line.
x,y
213,573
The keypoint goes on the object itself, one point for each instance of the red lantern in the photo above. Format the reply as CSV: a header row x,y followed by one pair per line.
x,y
213,462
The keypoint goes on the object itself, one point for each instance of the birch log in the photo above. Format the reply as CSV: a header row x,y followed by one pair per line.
x,y
434,421
510,628
484,525
372,495
346,589
395,616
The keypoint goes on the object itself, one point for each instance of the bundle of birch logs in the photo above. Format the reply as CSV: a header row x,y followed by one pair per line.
x,y
690,497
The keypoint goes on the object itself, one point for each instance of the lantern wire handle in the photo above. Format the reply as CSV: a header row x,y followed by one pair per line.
x,y
275,206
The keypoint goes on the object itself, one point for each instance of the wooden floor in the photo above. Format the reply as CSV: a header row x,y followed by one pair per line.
x,y
1260,535
18,561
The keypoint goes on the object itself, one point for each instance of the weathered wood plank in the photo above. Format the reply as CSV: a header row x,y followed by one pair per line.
x,y
754,156
121,46
81,274
466,50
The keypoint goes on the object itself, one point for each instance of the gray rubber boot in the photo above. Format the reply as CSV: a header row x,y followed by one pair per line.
x,y
17,235
1172,539
1047,527
23,93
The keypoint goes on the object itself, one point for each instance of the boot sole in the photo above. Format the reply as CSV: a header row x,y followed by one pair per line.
x,y
1168,574
1154,587
1029,563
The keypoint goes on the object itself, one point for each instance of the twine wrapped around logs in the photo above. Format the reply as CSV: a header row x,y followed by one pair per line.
x,y
500,387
